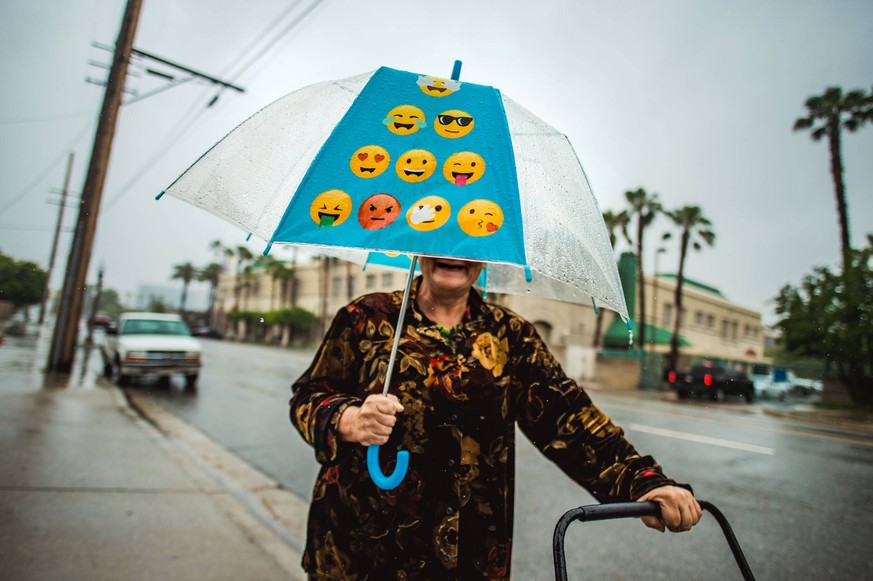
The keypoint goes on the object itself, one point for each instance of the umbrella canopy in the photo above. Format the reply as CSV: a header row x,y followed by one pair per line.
x,y
400,162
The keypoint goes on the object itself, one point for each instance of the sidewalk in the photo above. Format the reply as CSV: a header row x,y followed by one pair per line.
x,y
90,490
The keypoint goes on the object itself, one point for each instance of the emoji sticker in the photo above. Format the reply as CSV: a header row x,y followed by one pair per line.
x,y
437,87
369,161
464,168
378,211
416,165
331,208
453,124
429,213
480,218
405,120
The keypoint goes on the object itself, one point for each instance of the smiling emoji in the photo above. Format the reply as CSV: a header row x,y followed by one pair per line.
x,y
429,213
378,211
453,124
331,208
405,120
480,218
369,161
437,87
416,165
464,168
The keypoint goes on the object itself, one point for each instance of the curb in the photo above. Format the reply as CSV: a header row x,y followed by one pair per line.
x,y
273,518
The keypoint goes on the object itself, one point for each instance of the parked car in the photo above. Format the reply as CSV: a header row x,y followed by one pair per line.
x,y
780,384
151,344
712,381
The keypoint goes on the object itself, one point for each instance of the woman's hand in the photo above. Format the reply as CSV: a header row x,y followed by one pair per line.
x,y
372,422
679,509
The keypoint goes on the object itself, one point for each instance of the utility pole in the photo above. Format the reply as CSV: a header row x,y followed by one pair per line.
x,y
66,326
51,266
95,307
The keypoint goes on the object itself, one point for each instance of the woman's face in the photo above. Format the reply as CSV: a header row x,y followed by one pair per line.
x,y
449,275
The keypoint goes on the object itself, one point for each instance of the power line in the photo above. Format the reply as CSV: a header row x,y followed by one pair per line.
x,y
195,112
48,170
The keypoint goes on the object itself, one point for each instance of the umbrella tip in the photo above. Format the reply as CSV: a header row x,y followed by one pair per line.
x,y
268,248
456,71
161,195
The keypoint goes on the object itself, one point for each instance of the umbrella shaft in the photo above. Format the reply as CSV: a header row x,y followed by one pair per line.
x,y
399,329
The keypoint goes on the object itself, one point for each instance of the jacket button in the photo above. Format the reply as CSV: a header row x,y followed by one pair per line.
x,y
451,462
450,510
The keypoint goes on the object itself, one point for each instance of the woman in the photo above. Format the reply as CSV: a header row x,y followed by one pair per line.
x,y
467,372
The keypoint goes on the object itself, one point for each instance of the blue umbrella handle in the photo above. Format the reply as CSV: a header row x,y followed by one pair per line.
x,y
392,480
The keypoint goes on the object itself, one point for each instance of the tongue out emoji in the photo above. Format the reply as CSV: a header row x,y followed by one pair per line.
x,y
463,168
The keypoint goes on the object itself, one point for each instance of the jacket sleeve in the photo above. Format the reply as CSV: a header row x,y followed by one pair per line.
x,y
561,421
327,388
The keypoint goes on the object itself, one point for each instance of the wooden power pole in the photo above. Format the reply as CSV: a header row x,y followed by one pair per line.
x,y
64,340
46,294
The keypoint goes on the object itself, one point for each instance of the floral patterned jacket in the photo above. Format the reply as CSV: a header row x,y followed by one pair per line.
x,y
451,518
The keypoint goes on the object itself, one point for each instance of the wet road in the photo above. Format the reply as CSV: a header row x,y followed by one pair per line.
x,y
797,495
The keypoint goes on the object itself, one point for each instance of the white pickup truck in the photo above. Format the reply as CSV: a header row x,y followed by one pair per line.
x,y
151,344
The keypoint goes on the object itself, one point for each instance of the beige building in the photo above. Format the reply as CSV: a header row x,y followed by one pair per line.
x,y
711,326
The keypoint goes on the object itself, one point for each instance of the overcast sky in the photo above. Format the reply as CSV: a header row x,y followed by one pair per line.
x,y
692,99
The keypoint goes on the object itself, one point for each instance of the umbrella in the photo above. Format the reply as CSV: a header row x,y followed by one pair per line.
x,y
398,162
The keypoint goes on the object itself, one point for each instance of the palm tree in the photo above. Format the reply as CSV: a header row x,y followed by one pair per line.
x,y
210,274
186,272
612,221
827,115
644,207
693,224
278,272
244,256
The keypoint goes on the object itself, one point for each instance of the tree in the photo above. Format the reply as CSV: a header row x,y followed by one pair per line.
x,y
210,274
829,316
21,282
186,272
244,257
644,208
827,115
612,221
693,225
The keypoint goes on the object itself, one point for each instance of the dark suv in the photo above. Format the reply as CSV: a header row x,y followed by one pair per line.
x,y
712,381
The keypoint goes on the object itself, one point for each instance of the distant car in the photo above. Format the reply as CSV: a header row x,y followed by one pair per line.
x,y
781,384
205,331
103,320
152,344
712,381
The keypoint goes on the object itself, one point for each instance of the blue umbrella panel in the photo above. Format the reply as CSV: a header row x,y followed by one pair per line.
x,y
418,165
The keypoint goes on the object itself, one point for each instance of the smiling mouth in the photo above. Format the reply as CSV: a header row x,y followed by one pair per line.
x,y
414,172
368,169
437,89
403,126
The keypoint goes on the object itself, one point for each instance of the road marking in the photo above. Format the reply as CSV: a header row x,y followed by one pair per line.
x,y
701,439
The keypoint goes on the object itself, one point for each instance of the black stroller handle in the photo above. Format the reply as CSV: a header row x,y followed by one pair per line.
x,y
594,512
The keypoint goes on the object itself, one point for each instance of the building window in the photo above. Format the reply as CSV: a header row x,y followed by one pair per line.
x,y
667,320
710,321
387,279
682,318
698,318
350,286
735,327
724,328
747,330
371,281
336,285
